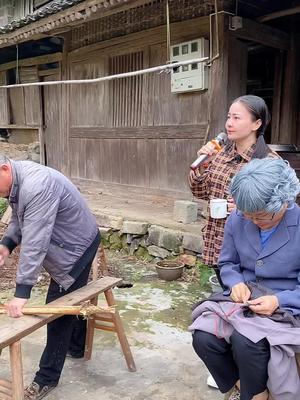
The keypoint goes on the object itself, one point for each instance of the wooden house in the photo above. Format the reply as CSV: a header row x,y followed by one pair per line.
x,y
134,132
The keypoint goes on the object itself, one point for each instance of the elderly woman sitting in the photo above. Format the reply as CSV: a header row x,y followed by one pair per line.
x,y
248,336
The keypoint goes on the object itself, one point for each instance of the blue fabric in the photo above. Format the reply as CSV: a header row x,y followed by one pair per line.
x,y
275,265
266,234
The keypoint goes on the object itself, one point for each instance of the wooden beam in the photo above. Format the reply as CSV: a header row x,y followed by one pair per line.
x,y
14,126
279,14
47,72
145,132
181,31
218,93
50,58
63,18
263,34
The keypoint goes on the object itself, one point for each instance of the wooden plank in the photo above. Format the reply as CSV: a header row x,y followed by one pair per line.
x,y
90,103
143,132
19,126
181,31
277,97
5,396
17,102
32,96
290,91
237,72
53,137
6,384
50,58
14,329
65,108
279,14
16,367
264,34
4,109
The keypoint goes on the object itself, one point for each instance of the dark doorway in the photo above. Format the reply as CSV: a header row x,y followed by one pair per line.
x,y
261,75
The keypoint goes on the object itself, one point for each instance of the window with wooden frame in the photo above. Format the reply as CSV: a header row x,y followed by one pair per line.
x,y
126,93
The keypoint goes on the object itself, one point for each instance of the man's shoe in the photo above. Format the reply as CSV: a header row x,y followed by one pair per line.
x,y
35,392
233,394
74,355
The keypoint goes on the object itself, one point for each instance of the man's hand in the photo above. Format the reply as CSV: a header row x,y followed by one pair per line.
x,y
14,307
240,293
265,305
4,253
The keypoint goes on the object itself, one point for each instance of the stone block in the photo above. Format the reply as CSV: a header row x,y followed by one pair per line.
x,y
135,227
154,234
156,251
109,221
185,211
163,237
192,242
170,240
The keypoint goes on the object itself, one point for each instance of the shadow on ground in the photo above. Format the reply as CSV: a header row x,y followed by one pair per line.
x,y
156,315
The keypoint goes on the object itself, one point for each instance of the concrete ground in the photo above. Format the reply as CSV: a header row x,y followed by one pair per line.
x,y
113,205
156,315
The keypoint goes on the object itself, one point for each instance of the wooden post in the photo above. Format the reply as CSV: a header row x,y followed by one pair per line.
x,y
65,105
16,371
120,332
90,331
218,95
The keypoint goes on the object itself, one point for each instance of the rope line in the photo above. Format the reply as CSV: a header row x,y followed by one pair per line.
x,y
159,68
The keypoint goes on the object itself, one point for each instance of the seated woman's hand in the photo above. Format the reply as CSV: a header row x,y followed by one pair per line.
x,y
265,305
240,293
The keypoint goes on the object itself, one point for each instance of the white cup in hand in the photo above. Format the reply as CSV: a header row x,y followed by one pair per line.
x,y
218,208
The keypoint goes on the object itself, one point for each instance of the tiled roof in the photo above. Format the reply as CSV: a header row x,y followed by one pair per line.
x,y
52,8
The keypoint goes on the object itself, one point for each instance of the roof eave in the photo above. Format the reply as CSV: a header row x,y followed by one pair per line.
x,y
63,21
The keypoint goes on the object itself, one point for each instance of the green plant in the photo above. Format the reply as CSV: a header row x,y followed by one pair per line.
x,y
204,273
3,206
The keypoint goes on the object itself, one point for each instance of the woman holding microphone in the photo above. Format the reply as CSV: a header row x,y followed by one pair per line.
x,y
247,119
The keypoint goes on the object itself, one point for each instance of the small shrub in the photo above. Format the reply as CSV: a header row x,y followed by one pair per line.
x,y
3,206
204,273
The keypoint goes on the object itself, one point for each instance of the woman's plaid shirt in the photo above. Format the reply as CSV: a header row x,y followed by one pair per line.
x,y
214,183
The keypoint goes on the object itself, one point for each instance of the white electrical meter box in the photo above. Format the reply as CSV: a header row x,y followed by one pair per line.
x,y
192,77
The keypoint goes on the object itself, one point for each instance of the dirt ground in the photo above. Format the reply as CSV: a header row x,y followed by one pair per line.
x,y
8,271
156,315
14,151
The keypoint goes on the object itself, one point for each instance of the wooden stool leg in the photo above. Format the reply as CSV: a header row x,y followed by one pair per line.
x,y
103,262
120,332
16,371
89,339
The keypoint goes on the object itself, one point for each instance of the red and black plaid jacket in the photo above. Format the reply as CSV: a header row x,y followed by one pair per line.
x,y
214,183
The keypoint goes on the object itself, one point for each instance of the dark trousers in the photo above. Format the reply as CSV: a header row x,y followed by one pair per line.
x,y
218,275
66,333
240,359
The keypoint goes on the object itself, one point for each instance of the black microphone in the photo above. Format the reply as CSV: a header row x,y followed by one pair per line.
x,y
218,143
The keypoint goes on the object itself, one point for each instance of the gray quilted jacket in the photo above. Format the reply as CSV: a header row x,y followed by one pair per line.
x,y
51,221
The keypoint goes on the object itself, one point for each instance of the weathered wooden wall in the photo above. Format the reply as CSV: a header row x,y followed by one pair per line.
x,y
134,131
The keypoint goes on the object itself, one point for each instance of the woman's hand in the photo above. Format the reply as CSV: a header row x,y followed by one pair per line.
x,y
209,149
230,204
240,293
265,305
